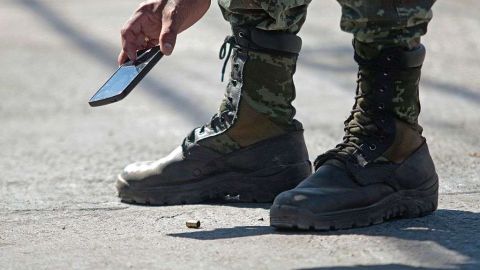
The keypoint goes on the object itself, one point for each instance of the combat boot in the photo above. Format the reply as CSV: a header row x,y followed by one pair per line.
x,y
251,150
383,168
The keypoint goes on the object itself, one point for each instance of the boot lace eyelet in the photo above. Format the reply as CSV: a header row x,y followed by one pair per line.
x,y
197,172
241,34
372,147
381,90
385,74
381,106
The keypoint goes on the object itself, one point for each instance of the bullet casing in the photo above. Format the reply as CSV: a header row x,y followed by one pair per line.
x,y
195,224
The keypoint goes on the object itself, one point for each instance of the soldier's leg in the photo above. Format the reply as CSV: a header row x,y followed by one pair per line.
x,y
279,15
383,168
253,147
267,87
380,24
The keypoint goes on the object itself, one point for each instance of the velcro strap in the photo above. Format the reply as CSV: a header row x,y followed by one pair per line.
x,y
396,58
256,39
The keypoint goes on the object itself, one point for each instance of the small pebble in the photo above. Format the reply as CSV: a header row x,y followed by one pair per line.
x,y
474,154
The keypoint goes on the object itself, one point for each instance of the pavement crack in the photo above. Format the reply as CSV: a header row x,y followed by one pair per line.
x,y
170,216
461,192
70,209
100,209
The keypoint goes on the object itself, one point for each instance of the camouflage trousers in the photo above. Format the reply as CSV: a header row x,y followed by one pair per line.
x,y
268,90
379,23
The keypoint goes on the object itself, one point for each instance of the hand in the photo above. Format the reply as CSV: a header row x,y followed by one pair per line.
x,y
158,22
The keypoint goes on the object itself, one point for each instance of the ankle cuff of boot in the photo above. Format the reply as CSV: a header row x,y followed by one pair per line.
x,y
252,39
275,42
391,58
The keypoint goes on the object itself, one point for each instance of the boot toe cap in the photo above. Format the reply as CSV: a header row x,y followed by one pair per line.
x,y
315,200
137,171
329,190
135,176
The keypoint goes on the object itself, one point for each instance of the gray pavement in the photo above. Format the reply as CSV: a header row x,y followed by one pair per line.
x,y
59,157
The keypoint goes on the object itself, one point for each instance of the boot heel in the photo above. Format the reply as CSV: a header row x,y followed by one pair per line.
x,y
420,207
423,202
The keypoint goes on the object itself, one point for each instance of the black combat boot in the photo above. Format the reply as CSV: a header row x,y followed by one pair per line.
x,y
251,150
383,168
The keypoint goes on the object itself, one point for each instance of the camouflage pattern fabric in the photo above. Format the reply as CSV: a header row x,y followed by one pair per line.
x,y
380,23
257,103
276,15
222,143
386,23
406,102
268,88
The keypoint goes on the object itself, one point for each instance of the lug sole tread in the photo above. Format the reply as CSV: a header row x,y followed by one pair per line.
x,y
290,219
222,189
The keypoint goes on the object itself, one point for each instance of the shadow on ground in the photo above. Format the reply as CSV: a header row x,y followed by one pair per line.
x,y
312,58
453,229
102,54
385,267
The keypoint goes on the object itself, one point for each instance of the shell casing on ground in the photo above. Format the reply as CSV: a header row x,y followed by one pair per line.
x,y
195,224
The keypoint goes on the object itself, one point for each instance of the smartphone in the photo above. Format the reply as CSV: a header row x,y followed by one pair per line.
x,y
127,76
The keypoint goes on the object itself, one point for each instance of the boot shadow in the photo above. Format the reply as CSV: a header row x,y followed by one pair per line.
x,y
387,267
455,230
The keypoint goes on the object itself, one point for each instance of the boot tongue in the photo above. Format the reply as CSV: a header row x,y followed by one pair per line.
x,y
359,124
361,119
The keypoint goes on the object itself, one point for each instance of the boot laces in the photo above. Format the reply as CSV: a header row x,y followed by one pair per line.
x,y
221,120
225,53
361,123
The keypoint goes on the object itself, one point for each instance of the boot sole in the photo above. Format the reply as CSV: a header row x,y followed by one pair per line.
x,y
402,204
260,186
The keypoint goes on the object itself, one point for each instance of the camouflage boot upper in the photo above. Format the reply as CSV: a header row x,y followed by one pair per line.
x,y
258,100
386,109
383,168
252,149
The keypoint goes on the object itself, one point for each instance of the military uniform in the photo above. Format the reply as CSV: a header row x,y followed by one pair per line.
x,y
378,22
254,148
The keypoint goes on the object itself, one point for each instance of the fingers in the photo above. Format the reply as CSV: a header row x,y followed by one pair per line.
x,y
151,43
168,35
130,40
159,22
122,57
167,42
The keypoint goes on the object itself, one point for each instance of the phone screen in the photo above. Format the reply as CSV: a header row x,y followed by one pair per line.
x,y
119,81
125,75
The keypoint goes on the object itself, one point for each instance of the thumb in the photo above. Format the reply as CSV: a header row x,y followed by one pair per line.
x,y
168,37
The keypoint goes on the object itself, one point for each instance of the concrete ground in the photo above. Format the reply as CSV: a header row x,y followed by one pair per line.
x,y
59,157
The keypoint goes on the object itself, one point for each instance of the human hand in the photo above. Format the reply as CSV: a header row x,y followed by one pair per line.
x,y
158,22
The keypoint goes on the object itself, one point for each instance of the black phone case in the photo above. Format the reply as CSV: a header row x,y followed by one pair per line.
x,y
157,55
